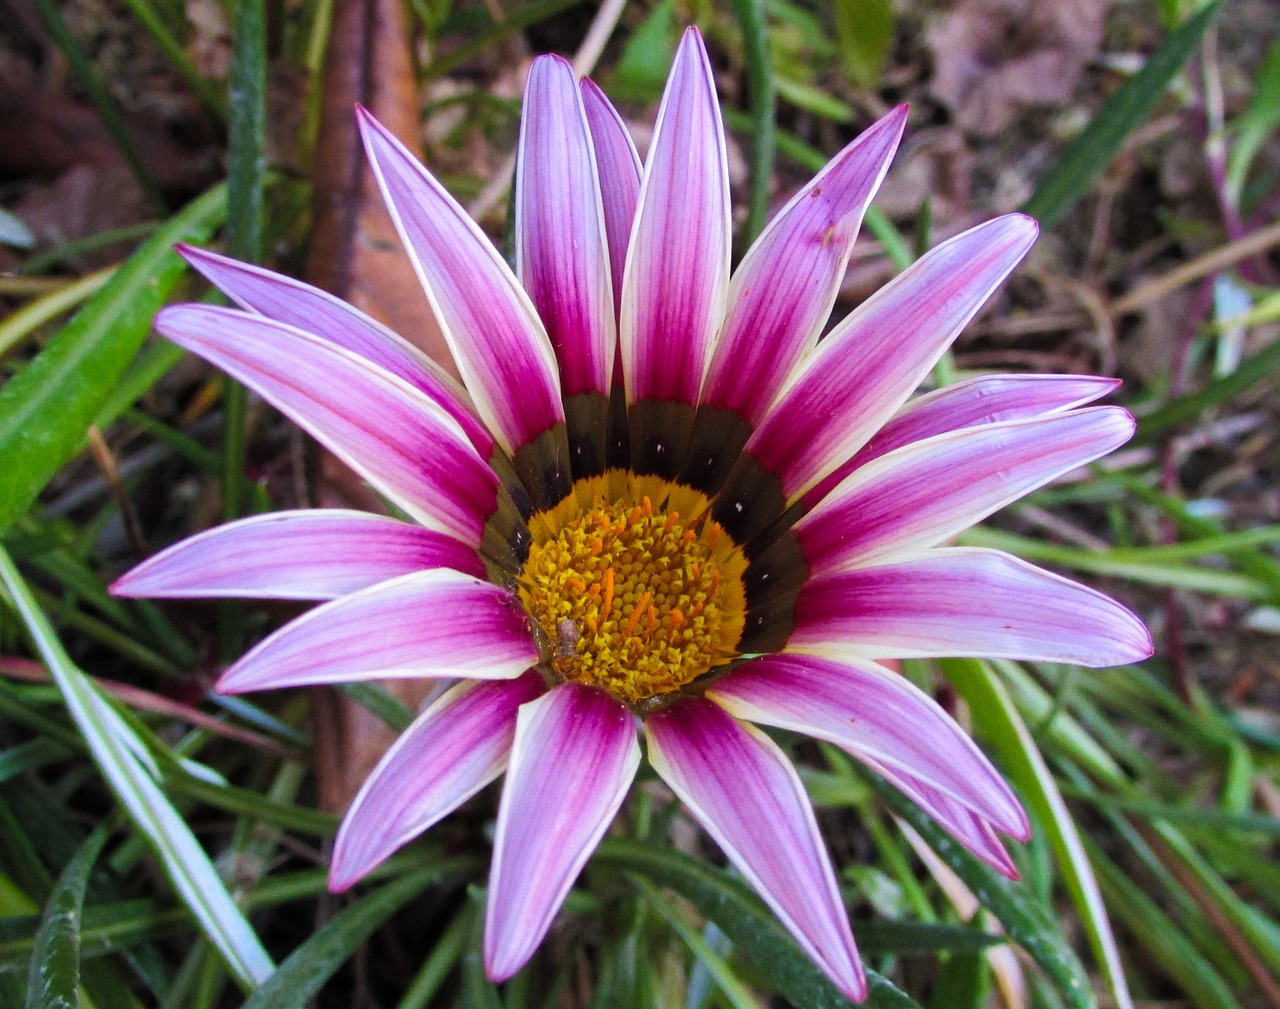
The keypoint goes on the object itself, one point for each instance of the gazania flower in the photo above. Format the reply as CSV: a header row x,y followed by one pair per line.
x,y
659,507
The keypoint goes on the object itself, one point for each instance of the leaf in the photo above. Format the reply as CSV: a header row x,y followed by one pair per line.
x,y
998,721
53,978
116,751
1090,152
742,916
48,406
1256,122
1161,937
1028,922
864,31
642,68
308,967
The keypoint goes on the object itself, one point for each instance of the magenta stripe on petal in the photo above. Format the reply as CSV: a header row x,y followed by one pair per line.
x,y
961,601
865,369
431,624
562,253
971,830
876,715
493,331
574,757
618,166
313,554
321,314
384,429
928,491
452,750
990,399
677,273
742,789
782,293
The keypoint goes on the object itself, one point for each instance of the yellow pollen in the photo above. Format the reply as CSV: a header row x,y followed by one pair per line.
x,y
628,594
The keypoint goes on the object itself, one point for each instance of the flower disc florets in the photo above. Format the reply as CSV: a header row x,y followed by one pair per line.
x,y
633,592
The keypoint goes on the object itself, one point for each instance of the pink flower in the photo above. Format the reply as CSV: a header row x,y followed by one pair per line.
x,y
660,504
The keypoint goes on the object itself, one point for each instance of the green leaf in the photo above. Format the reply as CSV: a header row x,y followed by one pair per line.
x,y
1161,937
1256,122
762,92
119,755
1028,922
998,721
47,407
53,979
308,967
1090,152
751,927
864,31
642,68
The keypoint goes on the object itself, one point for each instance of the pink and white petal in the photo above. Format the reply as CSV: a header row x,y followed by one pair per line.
x,y
321,314
573,760
971,830
928,491
562,251
453,749
990,399
312,554
618,166
387,431
744,792
877,716
782,293
864,370
962,601
431,624
493,331
677,274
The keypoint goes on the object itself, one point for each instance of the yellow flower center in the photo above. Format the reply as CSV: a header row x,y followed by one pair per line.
x,y
634,587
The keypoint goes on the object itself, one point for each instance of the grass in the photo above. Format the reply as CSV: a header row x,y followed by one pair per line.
x,y
163,846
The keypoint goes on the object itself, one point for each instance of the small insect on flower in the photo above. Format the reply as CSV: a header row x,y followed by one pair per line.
x,y
659,506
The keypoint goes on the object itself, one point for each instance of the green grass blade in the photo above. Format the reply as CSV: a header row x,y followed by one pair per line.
x,y
762,95
1192,406
307,968
115,751
1028,922
1160,937
734,991
998,721
750,926
1090,152
53,978
46,408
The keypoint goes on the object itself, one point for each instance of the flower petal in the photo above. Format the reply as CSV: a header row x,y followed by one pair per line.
x,y
986,400
493,331
971,830
618,167
782,293
313,554
321,314
384,429
876,715
452,750
865,369
677,270
928,491
431,624
961,601
742,789
573,760
562,252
